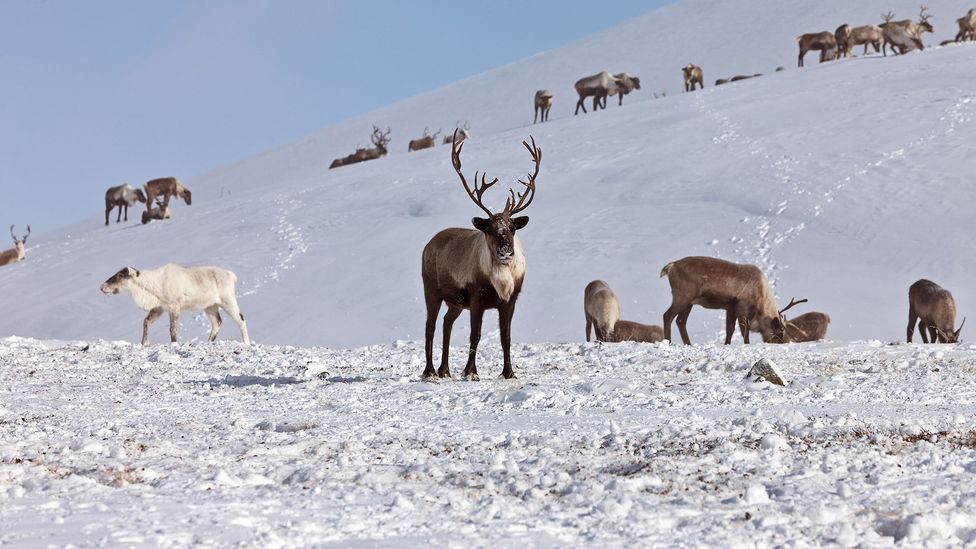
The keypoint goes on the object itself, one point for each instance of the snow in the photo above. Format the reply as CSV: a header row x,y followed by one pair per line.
x,y
845,182
113,443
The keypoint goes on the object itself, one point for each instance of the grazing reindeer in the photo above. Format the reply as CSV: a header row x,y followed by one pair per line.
x,y
934,309
843,36
380,141
721,81
425,142
905,35
17,253
477,269
543,102
869,35
160,211
807,327
626,330
460,134
173,288
744,77
625,84
967,26
741,290
124,196
601,309
165,187
825,42
601,85
693,75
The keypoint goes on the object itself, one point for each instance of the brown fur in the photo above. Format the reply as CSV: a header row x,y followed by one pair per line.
x,y
165,187
603,84
626,330
693,75
904,35
160,211
122,196
740,289
807,327
843,37
967,26
825,42
601,310
738,77
543,102
721,81
380,140
426,142
476,270
933,307
18,252
869,35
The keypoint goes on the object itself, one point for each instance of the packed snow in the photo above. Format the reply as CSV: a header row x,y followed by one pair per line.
x,y
845,182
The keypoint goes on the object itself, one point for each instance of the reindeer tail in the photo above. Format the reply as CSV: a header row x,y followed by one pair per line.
x,y
667,269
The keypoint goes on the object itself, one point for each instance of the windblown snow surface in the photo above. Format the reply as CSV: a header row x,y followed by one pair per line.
x,y
845,182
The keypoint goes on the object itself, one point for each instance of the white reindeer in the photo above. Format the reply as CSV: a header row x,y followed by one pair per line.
x,y
17,253
174,288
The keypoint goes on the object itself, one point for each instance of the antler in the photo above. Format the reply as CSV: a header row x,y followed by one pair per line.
x,y
479,190
12,235
467,126
922,16
793,302
380,138
888,16
525,197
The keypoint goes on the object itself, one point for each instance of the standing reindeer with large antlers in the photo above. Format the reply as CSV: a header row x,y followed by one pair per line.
x,y
477,269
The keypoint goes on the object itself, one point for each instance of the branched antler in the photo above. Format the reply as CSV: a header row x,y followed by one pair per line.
x,y
479,190
888,16
515,205
923,17
793,302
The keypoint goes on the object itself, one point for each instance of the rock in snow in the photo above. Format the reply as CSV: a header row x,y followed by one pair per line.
x,y
765,370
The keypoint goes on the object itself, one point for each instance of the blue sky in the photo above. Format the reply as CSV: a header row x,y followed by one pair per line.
x,y
102,92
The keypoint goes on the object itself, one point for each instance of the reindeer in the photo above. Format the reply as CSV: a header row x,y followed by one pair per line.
x,y
967,26
721,81
601,309
740,289
124,196
543,102
693,75
165,187
173,288
934,309
160,211
380,141
425,142
869,35
17,253
477,269
459,133
825,42
807,327
625,330
739,77
603,84
843,38
905,35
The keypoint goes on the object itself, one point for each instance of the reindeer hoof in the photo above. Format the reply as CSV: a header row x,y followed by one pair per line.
x,y
472,377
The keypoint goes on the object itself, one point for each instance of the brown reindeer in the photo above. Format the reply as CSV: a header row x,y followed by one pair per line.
x,y
934,309
967,26
740,289
869,35
543,102
380,141
843,36
18,252
165,187
693,75
477,269
124,196
807,327
425,142
604,84
905,35
825,42
601,310
625,330
721,81
160,211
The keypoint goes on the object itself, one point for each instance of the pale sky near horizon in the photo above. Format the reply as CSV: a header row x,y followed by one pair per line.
x,y
102,92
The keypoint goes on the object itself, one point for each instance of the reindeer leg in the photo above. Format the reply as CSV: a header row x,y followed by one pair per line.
x,y
453,311
912,319
213,313
174,325
126,206
433,307
108,211
742,314
589,326
471,370
580,105
150,318
119,217
682,324
729,325
934,335
505,314
668,319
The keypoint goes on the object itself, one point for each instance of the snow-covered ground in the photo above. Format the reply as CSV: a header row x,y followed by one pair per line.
x,y
111,443
845,182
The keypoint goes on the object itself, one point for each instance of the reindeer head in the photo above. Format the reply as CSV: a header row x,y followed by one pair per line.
x,y
186,196
380,139
119,281
951,337
499,228
923,20
636,82
19,242
140,196
777,325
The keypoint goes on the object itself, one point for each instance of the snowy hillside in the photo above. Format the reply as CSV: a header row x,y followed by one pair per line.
x,y
846,181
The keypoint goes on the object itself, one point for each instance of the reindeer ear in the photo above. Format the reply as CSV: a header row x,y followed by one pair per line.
x,y
480,223
520,222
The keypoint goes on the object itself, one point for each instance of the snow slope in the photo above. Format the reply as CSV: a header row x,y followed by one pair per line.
x,y
845,181
111,444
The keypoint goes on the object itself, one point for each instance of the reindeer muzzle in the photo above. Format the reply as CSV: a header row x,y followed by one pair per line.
x,y
505,254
